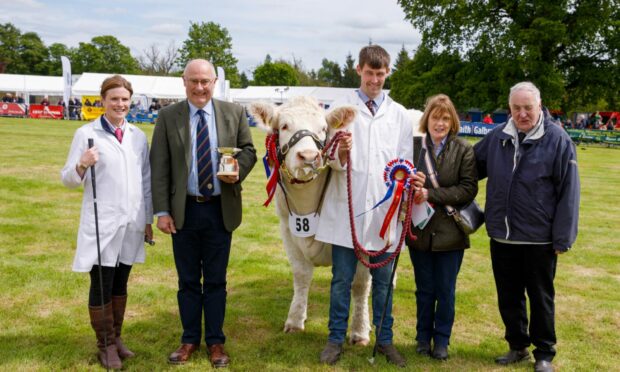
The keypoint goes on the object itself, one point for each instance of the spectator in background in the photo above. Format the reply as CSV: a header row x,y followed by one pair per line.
x,y
582,123
45,101
609,126
87,103
8,98
598,121
487,119
568,124
75,108
20,99
155,106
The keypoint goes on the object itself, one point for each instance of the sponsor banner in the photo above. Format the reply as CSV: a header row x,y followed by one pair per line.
x,y
475,129
12,109
46,112
91,107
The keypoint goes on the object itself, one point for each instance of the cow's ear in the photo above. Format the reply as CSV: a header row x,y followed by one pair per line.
x,y
341,117
264,115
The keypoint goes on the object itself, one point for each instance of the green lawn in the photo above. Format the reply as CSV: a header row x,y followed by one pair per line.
x,y
43,305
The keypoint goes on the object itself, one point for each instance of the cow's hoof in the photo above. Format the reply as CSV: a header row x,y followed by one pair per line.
x,y
292,329
359,341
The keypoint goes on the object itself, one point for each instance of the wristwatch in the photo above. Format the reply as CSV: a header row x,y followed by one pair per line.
x,y
82,166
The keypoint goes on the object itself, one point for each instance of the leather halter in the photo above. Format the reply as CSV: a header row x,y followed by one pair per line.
x,y
296,138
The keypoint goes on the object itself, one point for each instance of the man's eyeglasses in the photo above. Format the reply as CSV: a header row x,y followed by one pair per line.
x,y
203,82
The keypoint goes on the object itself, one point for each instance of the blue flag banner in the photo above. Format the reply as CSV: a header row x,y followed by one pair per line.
x,y
475,128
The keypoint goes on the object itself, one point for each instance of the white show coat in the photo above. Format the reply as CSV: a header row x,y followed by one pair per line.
x,y
124,206
376,141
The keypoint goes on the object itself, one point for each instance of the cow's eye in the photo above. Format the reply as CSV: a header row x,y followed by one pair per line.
x,y
284,127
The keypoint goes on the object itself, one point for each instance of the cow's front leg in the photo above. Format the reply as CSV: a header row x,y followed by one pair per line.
x,y
360,322
302,278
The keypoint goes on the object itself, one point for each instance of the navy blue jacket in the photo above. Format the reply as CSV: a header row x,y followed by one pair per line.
x,y
532,192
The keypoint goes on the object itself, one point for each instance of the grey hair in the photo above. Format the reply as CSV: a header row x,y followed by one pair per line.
x,y
526,86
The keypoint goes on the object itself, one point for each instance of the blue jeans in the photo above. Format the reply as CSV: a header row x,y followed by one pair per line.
x,y
343,270
435,280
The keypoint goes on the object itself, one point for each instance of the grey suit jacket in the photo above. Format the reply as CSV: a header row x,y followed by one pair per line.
x,y
171,156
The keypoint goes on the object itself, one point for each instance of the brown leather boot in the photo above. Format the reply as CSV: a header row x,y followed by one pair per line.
x,y
104,330
118,307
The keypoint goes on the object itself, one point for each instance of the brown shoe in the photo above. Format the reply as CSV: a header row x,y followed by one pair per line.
x,y
218,356
392,355
182,354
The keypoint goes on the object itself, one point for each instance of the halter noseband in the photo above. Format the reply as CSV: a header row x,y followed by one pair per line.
x,y
296,138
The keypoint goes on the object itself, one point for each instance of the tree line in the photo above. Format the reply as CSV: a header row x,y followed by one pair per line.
x,y
25,53
472,50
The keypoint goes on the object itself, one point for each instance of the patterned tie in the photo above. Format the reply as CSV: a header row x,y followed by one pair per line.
x,y
371,106
521,136
203,154
118,132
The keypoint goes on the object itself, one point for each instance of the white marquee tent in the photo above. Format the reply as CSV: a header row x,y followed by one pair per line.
x,y
31,85
165,87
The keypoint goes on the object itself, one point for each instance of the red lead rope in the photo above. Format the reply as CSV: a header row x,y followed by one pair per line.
x,y
360,251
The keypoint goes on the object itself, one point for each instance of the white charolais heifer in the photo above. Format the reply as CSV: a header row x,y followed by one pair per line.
x,y
302,126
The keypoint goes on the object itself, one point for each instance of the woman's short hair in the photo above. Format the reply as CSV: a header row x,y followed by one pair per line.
x,y
440,104
115,81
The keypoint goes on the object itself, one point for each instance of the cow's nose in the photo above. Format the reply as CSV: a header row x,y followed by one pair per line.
x,y
308,156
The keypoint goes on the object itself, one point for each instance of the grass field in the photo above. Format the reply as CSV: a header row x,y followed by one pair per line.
x,y
43,305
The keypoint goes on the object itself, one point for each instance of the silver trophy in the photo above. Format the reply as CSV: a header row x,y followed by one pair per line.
x,y
228,164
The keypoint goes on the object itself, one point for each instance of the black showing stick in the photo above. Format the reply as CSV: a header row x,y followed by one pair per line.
x,y
91,143
387,299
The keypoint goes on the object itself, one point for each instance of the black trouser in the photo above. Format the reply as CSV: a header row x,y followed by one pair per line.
x,y
201,251
114,283
521,269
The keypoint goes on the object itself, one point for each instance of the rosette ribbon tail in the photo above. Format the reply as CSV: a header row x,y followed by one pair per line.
x,y
398,194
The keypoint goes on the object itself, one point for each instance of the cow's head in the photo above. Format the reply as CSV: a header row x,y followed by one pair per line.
x,y
302,127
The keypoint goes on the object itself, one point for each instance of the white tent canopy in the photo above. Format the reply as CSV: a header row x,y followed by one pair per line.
x,y
281,94
31,84
165,87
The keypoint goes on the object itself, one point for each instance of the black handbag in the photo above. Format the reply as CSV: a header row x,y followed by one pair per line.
x,y
468,218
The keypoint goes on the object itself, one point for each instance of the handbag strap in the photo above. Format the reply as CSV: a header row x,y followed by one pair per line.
x,y
432,174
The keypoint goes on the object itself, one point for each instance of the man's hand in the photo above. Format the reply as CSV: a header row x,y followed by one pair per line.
x,y
559,252
229,179
166,225
344,147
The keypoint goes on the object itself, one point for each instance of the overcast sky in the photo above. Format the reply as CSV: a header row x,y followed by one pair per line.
x,y
309,30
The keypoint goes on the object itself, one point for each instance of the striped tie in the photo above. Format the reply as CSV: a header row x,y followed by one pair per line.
x,y
203,155
371,106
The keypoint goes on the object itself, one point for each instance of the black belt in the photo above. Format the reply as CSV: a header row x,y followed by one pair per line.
x,y
203,199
